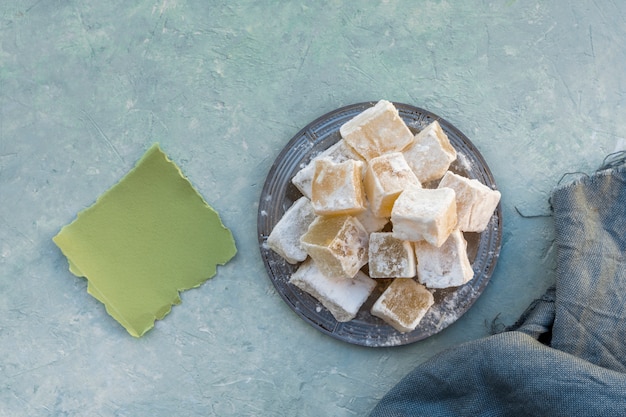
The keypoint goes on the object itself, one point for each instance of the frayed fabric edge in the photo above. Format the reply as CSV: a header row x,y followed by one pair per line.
x,y
613,162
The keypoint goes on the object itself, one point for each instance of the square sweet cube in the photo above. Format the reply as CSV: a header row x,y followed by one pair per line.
x,y
337,244
444,266
339,152
343,297
403,304
337,188
390,257
376,131
386,176
430,154
284,238
371,222
475,202
424,214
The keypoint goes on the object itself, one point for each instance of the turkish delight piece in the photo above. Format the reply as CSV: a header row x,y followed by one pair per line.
x,y
371,222
285,236
475,202
376,131
343,297
444,266
403,304
390,257
386,177
337,244
424,214
430,154
339,152
337,188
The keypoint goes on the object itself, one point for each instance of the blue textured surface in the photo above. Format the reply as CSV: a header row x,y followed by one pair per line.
x,y
86,87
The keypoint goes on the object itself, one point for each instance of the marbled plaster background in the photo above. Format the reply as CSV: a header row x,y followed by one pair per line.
x,y
87,86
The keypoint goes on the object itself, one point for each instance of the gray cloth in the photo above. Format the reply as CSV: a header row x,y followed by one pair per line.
x,y
566,356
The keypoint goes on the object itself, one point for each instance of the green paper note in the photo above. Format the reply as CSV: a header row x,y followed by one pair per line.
x,y
146,239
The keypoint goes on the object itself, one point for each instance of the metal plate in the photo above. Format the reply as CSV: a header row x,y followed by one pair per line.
x,y
279,193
